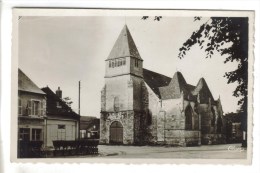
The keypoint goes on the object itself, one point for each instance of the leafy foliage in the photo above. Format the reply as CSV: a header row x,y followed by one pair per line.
x,y
68,101
228,36
156,18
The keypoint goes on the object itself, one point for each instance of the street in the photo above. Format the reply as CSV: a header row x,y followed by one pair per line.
x,y
226,151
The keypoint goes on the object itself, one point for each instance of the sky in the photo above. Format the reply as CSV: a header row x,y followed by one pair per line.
x,y
61,51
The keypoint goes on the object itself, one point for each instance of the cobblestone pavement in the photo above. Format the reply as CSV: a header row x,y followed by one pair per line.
x,y
227,151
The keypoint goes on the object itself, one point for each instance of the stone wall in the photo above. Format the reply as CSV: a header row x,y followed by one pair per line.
x,y
182,137
153,106
171,119
126,118
210,115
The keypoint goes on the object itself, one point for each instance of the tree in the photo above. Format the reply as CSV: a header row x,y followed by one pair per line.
x,y
68,101
228,36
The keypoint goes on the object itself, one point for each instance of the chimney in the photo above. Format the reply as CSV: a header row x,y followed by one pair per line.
x,y
59,93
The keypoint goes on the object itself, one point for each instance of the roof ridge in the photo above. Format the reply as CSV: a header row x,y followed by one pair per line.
x,y
26,84
124,46
156,73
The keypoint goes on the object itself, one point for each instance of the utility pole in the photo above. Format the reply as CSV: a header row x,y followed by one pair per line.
x,y
79,137
79,97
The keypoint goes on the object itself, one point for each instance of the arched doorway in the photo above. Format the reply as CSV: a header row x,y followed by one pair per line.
x,y
188,118
116,133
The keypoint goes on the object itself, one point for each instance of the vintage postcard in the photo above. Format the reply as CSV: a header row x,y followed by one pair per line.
x,y
132,86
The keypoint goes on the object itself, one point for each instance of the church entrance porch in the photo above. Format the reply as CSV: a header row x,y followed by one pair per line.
x,y
116,133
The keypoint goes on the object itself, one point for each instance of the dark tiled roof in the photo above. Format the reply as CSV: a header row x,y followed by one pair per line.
x,y
175,88
61,111
87,123
204,92
155,80
167,88
124,46
26,84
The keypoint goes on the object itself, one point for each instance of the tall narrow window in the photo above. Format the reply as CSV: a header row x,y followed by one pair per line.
x,y
109,64
213,117
36,134
113,64
116,104
136,62
20,107
219,124
116,63
188,118
124,61
35,107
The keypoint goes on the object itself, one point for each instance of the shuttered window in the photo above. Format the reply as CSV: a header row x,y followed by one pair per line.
x,y
35,107
20,107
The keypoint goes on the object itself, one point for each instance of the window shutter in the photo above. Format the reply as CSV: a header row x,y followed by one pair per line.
x,y
43,107
29,107
20,107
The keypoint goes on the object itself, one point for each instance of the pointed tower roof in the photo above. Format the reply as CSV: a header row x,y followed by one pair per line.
x,y
26,84
175,87
124,46
203,90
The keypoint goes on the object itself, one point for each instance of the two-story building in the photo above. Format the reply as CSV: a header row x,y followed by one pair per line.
x,y
31,117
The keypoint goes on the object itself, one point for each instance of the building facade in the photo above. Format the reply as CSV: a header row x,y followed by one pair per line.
x,y
89,127
31,117
139,106
62,123
31,109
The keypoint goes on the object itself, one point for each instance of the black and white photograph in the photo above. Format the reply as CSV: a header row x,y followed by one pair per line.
x,y
132,84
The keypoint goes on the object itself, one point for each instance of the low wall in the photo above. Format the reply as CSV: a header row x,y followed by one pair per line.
x,y
181,138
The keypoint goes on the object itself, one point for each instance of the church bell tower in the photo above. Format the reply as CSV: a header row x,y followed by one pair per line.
x,y
121,102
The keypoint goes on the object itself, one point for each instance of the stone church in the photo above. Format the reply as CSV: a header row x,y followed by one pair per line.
x,y
142,107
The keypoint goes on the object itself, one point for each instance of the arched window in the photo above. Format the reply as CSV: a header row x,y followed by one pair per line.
x,y
149,118
116,104
214,116
219,124
188,118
